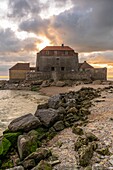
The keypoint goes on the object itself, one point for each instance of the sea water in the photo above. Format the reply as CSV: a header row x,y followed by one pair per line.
x,y
14,104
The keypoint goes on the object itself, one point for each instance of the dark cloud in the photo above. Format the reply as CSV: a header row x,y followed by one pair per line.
x,y
35,25
25,8
88,26
9,43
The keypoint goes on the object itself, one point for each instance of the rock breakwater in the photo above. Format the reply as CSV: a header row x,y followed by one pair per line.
x,y
26,144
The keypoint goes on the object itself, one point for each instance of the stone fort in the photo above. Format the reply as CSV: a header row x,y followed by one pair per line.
x,y
57,63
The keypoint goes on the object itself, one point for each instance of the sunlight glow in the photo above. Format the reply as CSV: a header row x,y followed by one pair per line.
x,y
45,42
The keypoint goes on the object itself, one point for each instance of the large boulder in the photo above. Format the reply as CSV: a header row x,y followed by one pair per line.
x,y
60,83
24,123
53,102
27,144
47,116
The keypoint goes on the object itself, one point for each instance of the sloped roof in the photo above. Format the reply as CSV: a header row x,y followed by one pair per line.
x,y
61,48
85,65
20,66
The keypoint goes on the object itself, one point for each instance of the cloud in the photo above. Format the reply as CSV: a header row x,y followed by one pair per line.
x,y
88,26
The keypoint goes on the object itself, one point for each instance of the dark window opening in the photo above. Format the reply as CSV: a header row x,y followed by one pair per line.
x,y
62,68
52,68
57,59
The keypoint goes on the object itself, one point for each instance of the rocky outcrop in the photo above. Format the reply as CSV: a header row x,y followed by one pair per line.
x,y
24,123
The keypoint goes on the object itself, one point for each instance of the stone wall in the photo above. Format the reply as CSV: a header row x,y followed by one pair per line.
x,y
57,63
93,74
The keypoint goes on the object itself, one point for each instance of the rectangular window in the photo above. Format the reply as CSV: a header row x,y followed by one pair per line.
x,y
62,68
52,68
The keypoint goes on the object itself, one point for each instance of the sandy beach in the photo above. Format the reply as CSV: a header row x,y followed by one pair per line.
x,y
53,90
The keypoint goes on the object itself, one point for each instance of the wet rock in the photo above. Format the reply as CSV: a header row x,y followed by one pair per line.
x,y
59,126
77,130
85,155
43,165
24,123
4,146
27,144
29,163
47,116
53,102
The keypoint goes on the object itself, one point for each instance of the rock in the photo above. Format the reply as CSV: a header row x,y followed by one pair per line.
x,y
77,130
81,140
72,110
43,106
111,160
41,133
28,164
43,165
12,137
45,83
98,167
39,154
60,83
16,168
85,155
24,123
27,144
5,145
97,82
53,102
91,137
103,151
47,116
59,125
88,168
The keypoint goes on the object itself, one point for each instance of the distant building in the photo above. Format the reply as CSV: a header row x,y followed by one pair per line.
x,y
57,63
18,71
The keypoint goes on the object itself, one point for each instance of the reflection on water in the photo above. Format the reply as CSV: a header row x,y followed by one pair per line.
x,y
16,103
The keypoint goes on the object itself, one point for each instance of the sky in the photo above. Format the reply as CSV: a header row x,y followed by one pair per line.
x,y
27,26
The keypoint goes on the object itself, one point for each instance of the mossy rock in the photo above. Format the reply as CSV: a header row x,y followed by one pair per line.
x,y
7,164
91,137
77,130
85,155
12,137
5,145
41,133
103,151
43,165
81,140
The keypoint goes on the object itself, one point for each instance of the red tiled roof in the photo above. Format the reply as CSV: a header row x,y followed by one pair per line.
x,y
85,65
21,66
61,48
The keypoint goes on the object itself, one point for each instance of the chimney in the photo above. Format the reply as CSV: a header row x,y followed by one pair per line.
x,y
62,45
